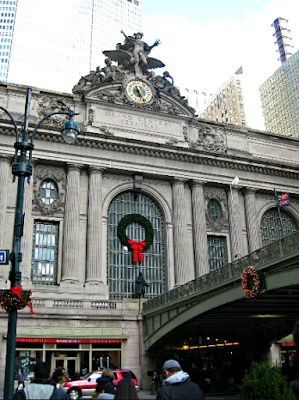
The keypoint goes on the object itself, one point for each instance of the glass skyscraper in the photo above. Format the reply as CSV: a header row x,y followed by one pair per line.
x,y
280,99
51,44
8,12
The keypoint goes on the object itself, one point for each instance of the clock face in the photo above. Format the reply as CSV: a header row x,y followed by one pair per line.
x,y
139,91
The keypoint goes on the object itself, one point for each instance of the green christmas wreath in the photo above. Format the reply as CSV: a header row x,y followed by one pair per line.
x,y
128,219
10,302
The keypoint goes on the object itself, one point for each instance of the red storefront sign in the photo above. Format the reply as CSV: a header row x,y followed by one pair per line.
x,y
46,340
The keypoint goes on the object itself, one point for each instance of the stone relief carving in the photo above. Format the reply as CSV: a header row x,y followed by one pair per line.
x,y
209,138
220,196
172,141
47,104
138,181
59,177
106,130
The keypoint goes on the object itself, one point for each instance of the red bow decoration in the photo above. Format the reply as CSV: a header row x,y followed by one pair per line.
x,y
137,250
16,291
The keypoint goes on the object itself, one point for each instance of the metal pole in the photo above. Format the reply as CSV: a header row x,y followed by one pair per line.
x,y
21,170
126,262
279,213
235,225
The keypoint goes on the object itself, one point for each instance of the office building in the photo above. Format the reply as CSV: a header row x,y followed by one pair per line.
x,y
280,96
52,44
227,104
7,21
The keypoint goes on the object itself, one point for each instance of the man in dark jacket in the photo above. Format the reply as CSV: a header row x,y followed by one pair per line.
x,y
176,384
42,386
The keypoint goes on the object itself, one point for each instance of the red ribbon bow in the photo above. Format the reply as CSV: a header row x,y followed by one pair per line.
x,y
137,250
16,291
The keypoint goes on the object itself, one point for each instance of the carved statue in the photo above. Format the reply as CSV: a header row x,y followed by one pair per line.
x,y
85,81
140,285
131,60
109,71
135,52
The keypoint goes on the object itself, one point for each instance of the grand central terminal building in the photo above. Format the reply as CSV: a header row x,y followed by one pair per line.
x,y
143,168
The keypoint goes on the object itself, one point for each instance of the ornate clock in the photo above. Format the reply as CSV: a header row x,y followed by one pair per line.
x,y
139,91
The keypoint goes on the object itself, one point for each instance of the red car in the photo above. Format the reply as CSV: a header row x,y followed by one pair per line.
x,y
87,385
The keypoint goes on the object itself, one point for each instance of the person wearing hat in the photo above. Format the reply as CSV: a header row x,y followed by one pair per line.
x,y
176,384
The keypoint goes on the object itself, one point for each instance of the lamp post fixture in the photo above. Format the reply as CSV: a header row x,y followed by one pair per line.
x,y
235,182
22,168
126,261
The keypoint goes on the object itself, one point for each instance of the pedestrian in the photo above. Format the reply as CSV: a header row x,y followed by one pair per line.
x,y
77,375
42,386
55,376
156,380
105,388
65,375
21,379
125,390
176,384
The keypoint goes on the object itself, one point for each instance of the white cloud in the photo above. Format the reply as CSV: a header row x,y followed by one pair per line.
x,y
202,57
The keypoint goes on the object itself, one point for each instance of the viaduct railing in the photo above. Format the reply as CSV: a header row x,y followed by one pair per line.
x,y
269,254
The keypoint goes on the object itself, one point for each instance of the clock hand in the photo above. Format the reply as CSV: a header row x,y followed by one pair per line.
x,y
139,91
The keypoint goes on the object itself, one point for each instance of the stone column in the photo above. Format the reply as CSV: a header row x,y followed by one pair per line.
x,y
70,254
94,270
234,217
5,163
254,241
26,244
199,229
181,258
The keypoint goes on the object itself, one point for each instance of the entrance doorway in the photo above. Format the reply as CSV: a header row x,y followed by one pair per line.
x,y
70,364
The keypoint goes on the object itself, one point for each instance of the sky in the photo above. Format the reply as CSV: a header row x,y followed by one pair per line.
x,y
204,42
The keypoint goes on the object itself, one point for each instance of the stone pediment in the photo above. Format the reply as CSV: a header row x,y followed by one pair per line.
x,y
166,100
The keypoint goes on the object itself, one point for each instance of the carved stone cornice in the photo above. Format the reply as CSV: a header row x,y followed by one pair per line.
x,y
135,147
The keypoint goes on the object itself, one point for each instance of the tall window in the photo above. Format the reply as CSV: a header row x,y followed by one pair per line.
x,y
217,252
44,253
271,227
122,272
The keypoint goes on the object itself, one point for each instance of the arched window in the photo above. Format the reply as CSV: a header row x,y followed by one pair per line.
x,y
121,271
271,227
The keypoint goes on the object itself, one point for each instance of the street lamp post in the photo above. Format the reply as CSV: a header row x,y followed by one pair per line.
x,y
22,169
235,182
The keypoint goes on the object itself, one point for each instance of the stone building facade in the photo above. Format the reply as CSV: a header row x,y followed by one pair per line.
x,y
151,158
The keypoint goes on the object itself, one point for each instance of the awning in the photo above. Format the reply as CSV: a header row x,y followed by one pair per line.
x,y
57,340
